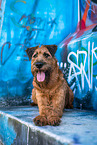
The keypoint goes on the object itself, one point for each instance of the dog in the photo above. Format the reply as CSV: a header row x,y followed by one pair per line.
x,y
51,92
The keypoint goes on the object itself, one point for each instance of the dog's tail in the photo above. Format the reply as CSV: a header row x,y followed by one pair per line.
x,y
33,104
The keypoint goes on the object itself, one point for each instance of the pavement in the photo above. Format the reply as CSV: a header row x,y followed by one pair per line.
x,y
77,127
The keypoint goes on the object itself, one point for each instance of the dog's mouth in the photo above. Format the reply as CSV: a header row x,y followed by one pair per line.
x,y
40,76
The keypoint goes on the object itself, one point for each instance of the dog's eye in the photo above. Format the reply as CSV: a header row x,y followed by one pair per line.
x,y
46,55
35,55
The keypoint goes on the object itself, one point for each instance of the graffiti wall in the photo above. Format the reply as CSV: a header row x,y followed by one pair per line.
x,y
80,70
78,57
72,25
88,12
26,23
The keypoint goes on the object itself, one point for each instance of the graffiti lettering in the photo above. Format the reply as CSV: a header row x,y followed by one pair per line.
x,y
96,86
12,7
81,66
35,28
3,59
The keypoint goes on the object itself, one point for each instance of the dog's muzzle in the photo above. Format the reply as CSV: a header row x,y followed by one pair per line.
x,y
40,73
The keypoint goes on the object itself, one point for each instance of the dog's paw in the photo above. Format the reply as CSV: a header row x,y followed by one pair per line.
x,y
40,120
54,121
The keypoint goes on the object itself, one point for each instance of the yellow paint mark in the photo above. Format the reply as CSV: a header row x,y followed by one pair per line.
x,y
21,1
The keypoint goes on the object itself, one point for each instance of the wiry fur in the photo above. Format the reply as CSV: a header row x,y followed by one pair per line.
x,y
53,94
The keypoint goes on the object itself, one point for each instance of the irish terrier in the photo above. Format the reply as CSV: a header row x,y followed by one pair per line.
x,y
51,91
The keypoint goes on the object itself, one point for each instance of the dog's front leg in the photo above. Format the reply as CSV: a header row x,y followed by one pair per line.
x,y
50,110
41,120
48,116
58,103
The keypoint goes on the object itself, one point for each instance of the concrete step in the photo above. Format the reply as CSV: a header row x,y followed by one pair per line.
x,y
77,127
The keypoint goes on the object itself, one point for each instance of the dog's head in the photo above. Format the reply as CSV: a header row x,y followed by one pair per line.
x,y
43,61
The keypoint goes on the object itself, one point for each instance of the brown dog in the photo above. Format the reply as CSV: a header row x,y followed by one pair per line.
x,y
51,91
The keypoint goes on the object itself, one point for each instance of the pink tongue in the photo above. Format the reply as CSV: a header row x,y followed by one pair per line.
x,y
40,76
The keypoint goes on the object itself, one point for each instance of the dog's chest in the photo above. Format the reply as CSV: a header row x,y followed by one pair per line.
x,y
45,97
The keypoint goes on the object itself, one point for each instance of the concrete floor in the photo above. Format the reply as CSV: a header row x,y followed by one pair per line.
x,y
77,127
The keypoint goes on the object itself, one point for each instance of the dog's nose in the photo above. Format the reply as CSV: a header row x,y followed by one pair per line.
x,y
39,64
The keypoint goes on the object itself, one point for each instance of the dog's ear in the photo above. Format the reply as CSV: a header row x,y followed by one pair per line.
x,y
30,51
52,49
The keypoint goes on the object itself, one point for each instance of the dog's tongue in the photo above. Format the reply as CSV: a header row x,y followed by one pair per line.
x,y
40,76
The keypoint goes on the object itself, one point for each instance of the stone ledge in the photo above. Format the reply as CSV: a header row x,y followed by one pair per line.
x,y
77,127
